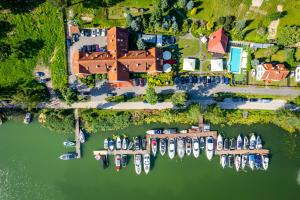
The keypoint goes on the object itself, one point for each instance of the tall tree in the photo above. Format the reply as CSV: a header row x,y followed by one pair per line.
x,y
164,4
141,44
182,3
190,5
135,26
179,99
151,96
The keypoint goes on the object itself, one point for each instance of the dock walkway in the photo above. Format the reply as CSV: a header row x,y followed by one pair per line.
x,y
77,137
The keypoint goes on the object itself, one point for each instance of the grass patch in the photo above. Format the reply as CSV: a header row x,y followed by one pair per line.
x,y
297,55
36,37
189,47
280,56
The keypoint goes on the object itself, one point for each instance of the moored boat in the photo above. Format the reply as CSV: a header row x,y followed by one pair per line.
x,y
124,143
138,164
68,156
209,147
223,160
258,143
180,147
27,118
239,142
230,161
130,145
111,145
244,161
171,148
226,144
265,161
105,144
162,146
118,143
154,131
258,162
252,142
144,143
81,136
137,143
196,149
246,142
251,161
237,162
146,163
154,146
202,143
220,142
104,159
232,145
188,146
118,162
124,160
68,143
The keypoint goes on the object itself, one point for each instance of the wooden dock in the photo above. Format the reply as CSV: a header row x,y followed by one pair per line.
x,y
77,137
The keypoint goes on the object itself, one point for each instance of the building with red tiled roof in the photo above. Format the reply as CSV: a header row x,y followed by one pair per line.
x,y
118,62
269,72
218,42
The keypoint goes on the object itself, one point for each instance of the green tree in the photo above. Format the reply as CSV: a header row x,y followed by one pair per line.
x,y
5,51
175,27
240,25
69,95
179,99
288,35
135,26
129,19
181,3
141,44
164,4
151,96
190,5
30,93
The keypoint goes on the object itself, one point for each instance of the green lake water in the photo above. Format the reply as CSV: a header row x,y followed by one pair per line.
x,y
30,169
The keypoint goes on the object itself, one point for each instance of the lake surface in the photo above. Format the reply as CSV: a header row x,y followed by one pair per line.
x,y
30,169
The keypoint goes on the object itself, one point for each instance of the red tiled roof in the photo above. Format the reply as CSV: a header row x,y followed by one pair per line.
x,y
218,42
276,72
118,61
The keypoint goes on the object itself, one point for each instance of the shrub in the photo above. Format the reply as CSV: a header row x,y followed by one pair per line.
x,y
117,99
179,99
288,35
141,44
190,5
181,3
89,81
151,96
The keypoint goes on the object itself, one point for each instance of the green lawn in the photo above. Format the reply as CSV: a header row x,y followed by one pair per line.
x,y
297,55
189,47
253,81
37,37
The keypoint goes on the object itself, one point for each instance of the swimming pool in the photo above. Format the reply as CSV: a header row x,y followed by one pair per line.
x,y
235,59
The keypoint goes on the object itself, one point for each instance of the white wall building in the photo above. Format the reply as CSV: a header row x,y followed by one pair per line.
x,y
216,65
260,70
189,64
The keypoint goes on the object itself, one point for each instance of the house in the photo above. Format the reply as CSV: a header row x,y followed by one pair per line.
x,y
216,65
189,64
118,62
269,72
217,42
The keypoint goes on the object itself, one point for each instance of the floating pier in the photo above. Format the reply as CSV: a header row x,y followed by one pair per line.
x,y
77,132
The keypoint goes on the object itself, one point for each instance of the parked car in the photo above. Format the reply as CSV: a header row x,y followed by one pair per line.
x,y
226,80
69,42
111,94
82,33
94,48
208,79
195,79
204,78
142,82
103,32
94,33
182,80
266,100
253,100
97,48
176,80
87,32
75,37
42,81
213,78
190,79
217,79
136,82
39,74
98,32
199,79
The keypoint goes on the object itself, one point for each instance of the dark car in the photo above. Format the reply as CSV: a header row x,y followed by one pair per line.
x,y
199,79
111,94
39,74
142,82
86,93
217,79
182,80
213,79
75,37
176,80
87,32
94,48
208,79
69,42
253,100
190,79
266,100
204,78
136,82
195,79
97,48
226,80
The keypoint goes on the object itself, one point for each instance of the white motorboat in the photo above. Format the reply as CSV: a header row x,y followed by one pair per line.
x,y
180,147
223,160
154,131
68,156
124,143
220,142
111,145
246,142
226,144
209,147
171,148
251,161
244,160
118,162
27,118
188,146
118,143
138,164
239,142
196,149
237,162
81,136
258,143
146,163
105,144
68,143
154,146
162,146
230,160
252,142
265,161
